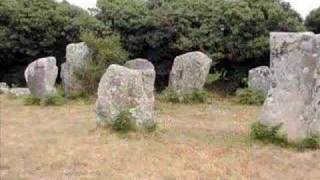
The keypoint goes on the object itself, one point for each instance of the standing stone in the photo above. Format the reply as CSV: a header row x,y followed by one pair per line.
x,y
293,64
123,89
4,88
189,72
259,79
41,76
77,56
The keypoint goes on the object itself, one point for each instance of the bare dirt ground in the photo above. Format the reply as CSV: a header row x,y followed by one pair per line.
x,y
208,141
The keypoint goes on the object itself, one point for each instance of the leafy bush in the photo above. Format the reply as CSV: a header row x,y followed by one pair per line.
x,y
229,31
250,97
123,122
49,100
107,50
198,96
267,135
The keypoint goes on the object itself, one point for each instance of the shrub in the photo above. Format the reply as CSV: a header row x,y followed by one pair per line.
x,y
312,21
31,100
123,122
267,134
107,50
198,96
312,142
53,100
149,126
271,135
250,97
48,100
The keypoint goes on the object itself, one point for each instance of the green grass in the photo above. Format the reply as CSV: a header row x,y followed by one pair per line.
x,y
270,135
249,97
48,100
198,96
123,122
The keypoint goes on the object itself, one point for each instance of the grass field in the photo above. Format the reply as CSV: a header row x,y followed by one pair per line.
x,y
207,141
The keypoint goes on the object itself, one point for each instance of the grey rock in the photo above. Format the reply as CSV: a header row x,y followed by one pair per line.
x,y
189,72
294,59
19,92
4,88
260,79
41,76
123,89
77,56
148,71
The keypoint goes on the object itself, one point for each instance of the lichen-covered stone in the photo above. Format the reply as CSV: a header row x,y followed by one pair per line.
x,y
189,72
123,89
294,59
77,56
259,79
148,71
41,76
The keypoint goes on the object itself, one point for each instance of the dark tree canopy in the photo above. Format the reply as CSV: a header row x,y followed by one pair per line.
x,y
313,21
237,31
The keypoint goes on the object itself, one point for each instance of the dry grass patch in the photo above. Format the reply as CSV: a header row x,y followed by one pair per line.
x,y
204,141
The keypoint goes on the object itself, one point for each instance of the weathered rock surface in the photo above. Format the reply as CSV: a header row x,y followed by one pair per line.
x,y
77,56
148,71
259,79
41,76
19,91
294,92
123,89
4,88
189,72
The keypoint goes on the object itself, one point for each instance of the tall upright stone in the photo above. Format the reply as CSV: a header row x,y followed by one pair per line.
x,y
123,89
260,79
77,56
294,59
189,72
41,76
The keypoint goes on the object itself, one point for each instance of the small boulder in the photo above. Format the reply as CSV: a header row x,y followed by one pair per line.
x,y
4,88
123,89
260,79
19,92
41,76
77,56
189,72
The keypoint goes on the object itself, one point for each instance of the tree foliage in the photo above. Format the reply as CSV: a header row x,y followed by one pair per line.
x,y
228,31
313,21
30,29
